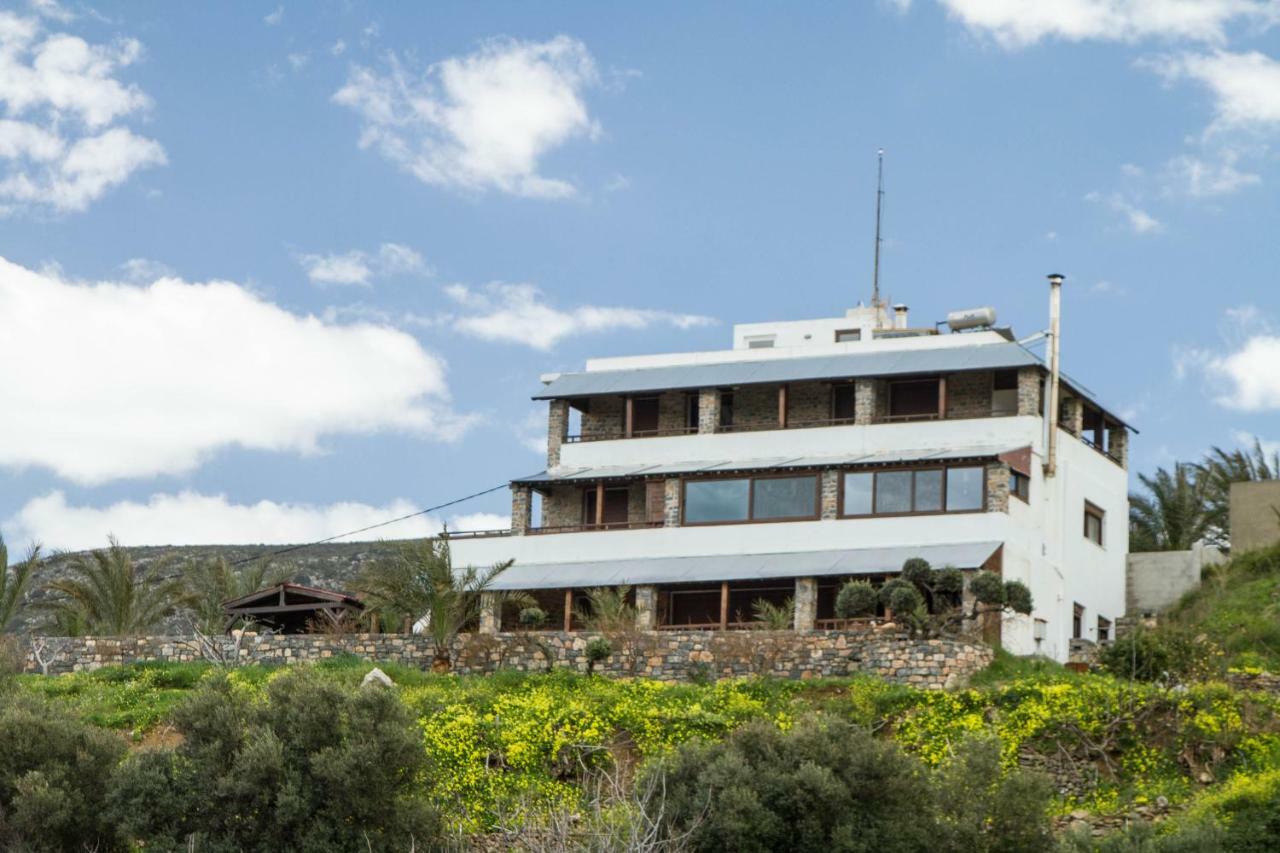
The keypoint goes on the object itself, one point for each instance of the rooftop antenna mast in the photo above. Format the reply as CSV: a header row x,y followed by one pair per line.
x,y
875,275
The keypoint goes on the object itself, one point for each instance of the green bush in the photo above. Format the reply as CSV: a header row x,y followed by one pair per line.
x,y
53,778
902,598
1167,654
917,571
983,809
987,588
532,617
856,598
316,767
948,581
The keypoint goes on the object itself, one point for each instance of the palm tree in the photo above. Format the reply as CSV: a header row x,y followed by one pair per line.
x,y
418,581
213,581
609,610
1173,515
774,617
13,583
1220,469
108,594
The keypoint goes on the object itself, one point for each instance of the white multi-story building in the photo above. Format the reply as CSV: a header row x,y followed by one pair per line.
x,y
813,452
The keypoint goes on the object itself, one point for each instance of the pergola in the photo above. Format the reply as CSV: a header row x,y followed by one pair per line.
x,y
291,608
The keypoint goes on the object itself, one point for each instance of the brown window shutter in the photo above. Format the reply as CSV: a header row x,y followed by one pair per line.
x,y
655,500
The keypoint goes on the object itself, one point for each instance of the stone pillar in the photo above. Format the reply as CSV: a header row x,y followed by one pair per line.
x,y
1118,444
557,430
671,502
490,619
521,509
830,495
708,410
646,607
1073,415
1029,391
998,487
864,401
806,603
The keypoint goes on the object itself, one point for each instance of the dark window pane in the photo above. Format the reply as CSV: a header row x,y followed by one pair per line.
x,y
644,415
893,491
785,497
726,409
964,488
1005,380
917,397
857,494
929,490
844,335
842,402
716,500
691,412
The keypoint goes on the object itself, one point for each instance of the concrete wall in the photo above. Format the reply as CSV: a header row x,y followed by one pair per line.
x,y
666,655
1254,523
1154,581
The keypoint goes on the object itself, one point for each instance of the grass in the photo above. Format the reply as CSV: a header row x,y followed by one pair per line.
x,y
1238,608
1007,668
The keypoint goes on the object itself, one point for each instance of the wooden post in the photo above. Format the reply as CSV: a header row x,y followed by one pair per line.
x,y
724,605
942,397
568,610
407,628
782,406
629,418
600,504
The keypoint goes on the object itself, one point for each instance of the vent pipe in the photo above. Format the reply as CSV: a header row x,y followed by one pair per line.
x,y
1051,408
899,316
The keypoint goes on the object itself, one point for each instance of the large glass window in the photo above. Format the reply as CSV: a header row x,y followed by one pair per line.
x,y
785,497
929,490
716,500
857,492
914,398
893,491
964,488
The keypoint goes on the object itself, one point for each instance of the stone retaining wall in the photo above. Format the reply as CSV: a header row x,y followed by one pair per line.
x,y
666,655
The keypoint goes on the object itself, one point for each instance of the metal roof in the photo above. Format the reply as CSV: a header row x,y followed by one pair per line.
x,y
729,567
614,472
843,366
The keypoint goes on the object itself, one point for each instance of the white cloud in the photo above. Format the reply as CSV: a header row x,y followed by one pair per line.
x,y
518,313
1199,178
359,268
191,518
1251,374
298,60
1245,86
275,17
104,381
60,144
481,121
1138,220
532,432
145,269
1017,23
339,47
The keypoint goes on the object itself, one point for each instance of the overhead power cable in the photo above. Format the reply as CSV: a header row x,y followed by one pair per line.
x,y
437,507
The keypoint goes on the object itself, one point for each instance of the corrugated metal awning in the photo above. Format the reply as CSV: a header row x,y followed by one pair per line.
x,y
628,472
731,567
749,372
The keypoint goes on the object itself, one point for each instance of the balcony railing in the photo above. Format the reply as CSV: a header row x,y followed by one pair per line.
x,y
591,528
613,436
1098,447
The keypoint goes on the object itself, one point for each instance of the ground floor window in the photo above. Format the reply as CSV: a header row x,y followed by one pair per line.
x,y
1077,621
1104,630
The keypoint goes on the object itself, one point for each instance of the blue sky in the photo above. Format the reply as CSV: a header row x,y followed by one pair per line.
x,y
275,272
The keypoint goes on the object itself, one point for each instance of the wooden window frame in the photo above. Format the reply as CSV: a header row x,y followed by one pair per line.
x,y
940,414
1077,620
751,498
692,411
1093,510
628,415
982,507
598,492
1022,494
1104,629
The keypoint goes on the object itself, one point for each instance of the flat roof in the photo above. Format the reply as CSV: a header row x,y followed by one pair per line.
x,y
730,567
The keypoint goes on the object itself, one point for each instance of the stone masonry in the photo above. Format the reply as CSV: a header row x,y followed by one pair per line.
x,y
708,410
1118,444
806,603
969,395
1029,390
671,502
830,495
664,655
864,401
521,509
557,430
998,487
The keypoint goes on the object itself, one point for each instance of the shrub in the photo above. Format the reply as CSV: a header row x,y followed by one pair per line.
x,y
532,617
823,786
53,776
987,588
1167,654
917,571
856,598
903,599
948,581
986,810
598,649
315,767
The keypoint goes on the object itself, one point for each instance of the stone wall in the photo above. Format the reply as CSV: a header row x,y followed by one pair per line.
x,y
998,487
666,655
603,418
562,506
755,407
1155,580
969,394
808,402
1255,522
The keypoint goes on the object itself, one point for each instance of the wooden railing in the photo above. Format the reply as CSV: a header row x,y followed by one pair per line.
x,y
584,528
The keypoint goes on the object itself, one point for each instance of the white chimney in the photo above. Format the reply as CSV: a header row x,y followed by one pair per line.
x,y
1051,406
899,316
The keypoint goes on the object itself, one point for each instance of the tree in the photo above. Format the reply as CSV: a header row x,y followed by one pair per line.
x,y
418,581
774,617
1173,514
14,581
609,610
1219,470
108,594
213,581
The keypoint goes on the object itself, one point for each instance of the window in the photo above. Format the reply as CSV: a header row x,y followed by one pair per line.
x,y
1104,630
726,408
914,398
616,506
965,488
846,335
1093,523
784,497
1077,621
760,343
843,401
1004,392
644,415
908,491
708,501
691,412
1020,486
759,499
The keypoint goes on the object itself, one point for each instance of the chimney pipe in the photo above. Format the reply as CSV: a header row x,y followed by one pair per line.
x,y
1051,408
899,316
